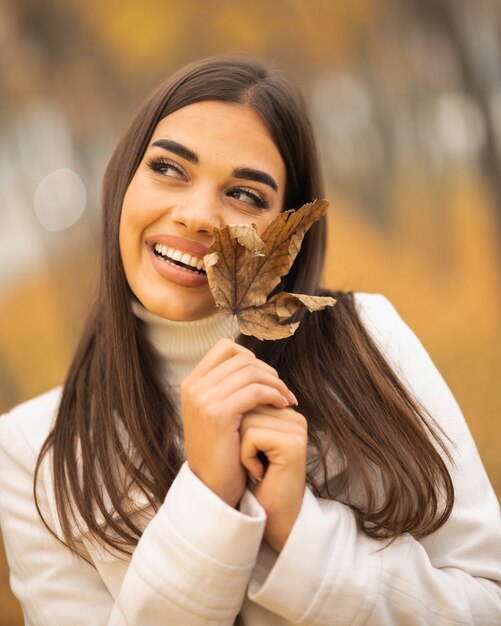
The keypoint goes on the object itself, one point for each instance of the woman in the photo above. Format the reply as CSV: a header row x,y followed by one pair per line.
x,y
153,501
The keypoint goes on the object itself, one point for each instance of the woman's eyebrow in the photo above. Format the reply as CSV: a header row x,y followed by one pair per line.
x,y
246,173
177,148
256,175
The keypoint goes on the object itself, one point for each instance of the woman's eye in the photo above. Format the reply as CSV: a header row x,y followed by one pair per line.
x,y
249,196
162,166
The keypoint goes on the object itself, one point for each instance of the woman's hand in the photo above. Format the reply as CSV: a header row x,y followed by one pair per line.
x,y
281,434
227,383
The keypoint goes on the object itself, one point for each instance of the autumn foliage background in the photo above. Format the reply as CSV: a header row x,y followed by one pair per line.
x,y
405,98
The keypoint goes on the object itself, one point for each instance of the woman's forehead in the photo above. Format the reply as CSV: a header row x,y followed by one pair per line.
x,y
221,130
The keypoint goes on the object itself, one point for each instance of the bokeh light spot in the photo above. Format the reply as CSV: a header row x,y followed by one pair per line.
x,y
59,200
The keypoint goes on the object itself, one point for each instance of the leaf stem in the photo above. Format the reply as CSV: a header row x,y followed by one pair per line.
x,y
232,327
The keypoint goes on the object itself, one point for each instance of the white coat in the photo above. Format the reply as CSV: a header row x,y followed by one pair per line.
x,y
199,561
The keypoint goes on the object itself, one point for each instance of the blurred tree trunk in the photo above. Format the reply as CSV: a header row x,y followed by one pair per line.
x,y
451,18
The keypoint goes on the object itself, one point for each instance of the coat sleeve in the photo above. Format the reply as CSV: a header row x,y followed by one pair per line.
x,y
337,575
194,560
191,565
52,586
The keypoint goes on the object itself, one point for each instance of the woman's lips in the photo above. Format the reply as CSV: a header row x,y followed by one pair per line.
x,y
174,273
194,248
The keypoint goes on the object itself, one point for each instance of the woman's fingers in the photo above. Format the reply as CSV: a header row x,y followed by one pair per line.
x,y
222,371
278,447
234,363
247,398
225,414
221,351
263,411
250,374
280,488
280,434
257,440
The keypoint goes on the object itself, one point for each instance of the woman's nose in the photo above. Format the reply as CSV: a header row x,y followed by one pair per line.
x,y
199,214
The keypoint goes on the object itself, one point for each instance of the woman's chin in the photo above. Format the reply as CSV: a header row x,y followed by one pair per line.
x,y
177,310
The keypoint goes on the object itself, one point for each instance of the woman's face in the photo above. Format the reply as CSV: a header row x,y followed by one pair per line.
x,y
207,165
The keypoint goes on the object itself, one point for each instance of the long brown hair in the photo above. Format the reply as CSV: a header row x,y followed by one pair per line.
x,y
113,387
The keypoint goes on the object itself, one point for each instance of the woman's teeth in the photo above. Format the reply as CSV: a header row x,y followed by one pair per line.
x,y
181,257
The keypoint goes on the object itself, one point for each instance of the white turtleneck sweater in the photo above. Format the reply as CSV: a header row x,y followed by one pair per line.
x,y
181,345
200,562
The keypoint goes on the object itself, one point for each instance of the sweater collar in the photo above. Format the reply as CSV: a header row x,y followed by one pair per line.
x,y
181,345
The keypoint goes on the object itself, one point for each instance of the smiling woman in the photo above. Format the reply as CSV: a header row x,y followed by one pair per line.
x,y
184,478
185,186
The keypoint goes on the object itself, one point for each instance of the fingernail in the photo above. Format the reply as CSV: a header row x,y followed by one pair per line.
x,y
254,479
294,399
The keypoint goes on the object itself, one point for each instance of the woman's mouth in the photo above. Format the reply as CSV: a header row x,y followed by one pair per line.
x,y
182,260
181,268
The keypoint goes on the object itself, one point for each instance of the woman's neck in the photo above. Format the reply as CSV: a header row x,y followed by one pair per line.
x,y
181,345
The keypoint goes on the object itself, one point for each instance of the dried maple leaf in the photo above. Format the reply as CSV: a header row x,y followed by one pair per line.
x,y
243,268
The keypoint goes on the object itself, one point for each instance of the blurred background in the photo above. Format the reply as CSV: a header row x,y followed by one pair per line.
x,y
405,97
